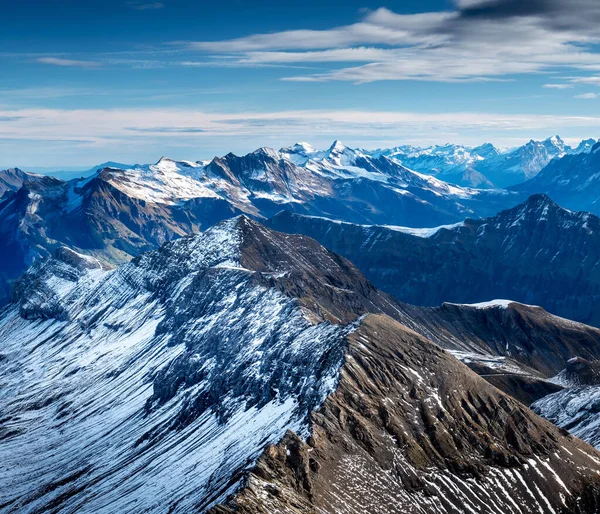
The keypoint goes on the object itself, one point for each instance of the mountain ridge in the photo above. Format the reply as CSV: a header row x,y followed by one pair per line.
x,y
504,256
151,369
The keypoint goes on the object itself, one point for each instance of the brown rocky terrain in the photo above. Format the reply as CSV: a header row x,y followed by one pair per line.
x,y
410,429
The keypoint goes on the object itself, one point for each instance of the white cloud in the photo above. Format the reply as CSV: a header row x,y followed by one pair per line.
x,y
586,96
586,80
32,136
480,40
558,86
110,125
57,61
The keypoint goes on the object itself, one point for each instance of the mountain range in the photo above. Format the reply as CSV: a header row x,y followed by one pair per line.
x,y
535,253
485,166
247,370
573,181
198,336
116,214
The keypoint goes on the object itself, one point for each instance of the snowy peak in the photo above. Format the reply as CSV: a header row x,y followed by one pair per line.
x,y
556,146
14,178
302,147
585,146
486,151
268,152
337,147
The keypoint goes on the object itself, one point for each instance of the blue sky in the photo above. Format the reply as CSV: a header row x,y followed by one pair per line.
x,y
85,82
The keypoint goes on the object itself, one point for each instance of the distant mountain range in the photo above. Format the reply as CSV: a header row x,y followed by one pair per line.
x,y
251,371
573,181
485,166
114,214
535,253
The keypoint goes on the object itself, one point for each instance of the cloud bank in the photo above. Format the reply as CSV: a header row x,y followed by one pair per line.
x,y
478,40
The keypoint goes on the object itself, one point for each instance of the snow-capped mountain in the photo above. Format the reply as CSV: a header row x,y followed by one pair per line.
x,y
574,181
73,174
245,367
453,163
484,166
115,214
536,253
127,389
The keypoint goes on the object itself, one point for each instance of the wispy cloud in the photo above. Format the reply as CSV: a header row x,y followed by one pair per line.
x,y
587,96
167,130
478,40
72,63
595,81
145,6
88,135
558,86
124,124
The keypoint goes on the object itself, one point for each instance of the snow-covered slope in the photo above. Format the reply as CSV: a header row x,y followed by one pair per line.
x,y
152,386
576,409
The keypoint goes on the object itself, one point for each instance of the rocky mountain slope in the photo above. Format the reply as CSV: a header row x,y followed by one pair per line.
x,y
521,349
410,429
126,389
157,385
526,336
536,253
573,181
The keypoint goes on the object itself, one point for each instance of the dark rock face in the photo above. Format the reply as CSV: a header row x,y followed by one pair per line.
x,y
526,389
409,429
536,253
573,181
